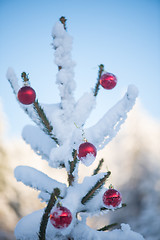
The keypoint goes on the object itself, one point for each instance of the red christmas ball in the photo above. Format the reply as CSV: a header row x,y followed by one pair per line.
x,y
61,217
112,198
108,80
87,153
26,95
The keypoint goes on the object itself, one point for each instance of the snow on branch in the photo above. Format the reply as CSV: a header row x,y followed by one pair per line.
x,y
124,233
35,111
26,230
83,108
88,184
96,188
36,179
62,43
107,127
13,80
38,140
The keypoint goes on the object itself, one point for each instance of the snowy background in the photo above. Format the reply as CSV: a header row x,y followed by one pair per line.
x,y
125,38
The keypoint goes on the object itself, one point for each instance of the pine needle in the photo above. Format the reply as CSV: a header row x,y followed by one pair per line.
x,y
98,167
43,119
95,189
72,167
45,217
105,228
101,69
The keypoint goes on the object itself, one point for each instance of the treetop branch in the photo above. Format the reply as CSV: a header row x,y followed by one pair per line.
x,y
63,21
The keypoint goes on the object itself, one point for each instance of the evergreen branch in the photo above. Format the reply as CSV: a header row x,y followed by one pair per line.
x,y
95,189
43,118
107,227
36,106
108,126
101,69
104,208
45,217
98,167
72,167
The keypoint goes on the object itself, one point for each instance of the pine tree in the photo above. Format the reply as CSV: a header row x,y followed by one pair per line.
x,y
61,138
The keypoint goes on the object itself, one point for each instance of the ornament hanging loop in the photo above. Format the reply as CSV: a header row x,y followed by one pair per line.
x,y
83,132
58,203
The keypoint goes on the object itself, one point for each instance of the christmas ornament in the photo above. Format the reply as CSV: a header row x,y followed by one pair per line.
x,y
26,95
112,198
87,153
61,217
108,80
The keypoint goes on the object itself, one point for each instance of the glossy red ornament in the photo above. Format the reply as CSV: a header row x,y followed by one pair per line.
x,y
61,217
86,149
112,198
26,95
108,80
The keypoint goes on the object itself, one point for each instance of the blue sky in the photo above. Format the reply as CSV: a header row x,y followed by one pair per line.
x,y
123,35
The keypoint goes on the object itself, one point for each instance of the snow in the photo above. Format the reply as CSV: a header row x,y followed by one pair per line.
x,y
107,127
88,160
12,78
39,141
83,108
26,230
36,179
81,231
79,190
58,155
132,92
62,43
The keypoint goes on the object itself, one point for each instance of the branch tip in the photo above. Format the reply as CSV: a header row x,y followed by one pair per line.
x,y
98,167
101,69
63,21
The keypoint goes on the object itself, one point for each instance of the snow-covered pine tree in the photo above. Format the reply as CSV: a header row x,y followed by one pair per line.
x,y
61,138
